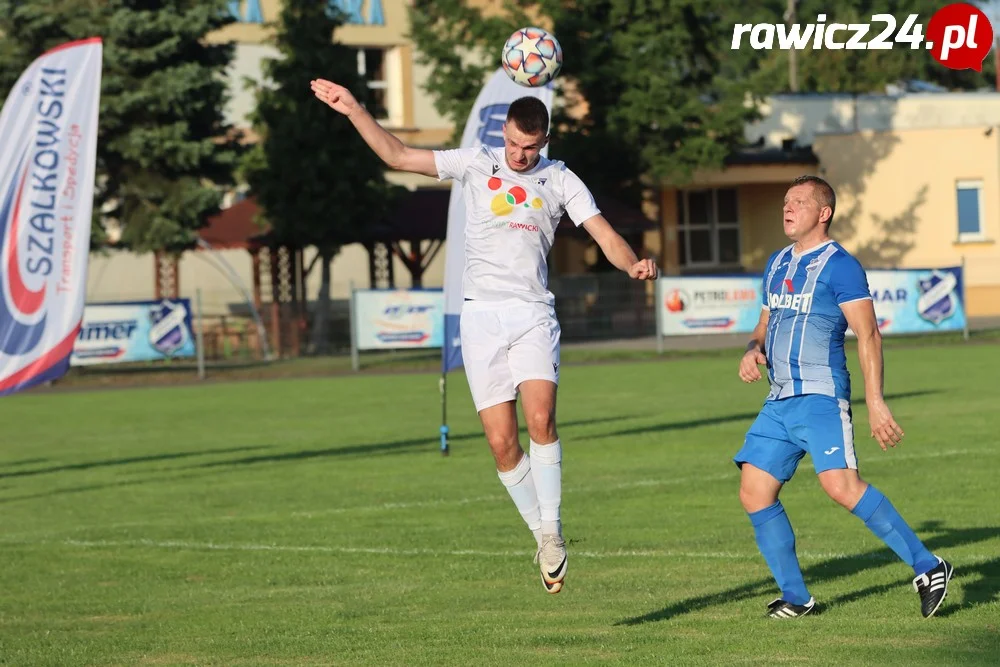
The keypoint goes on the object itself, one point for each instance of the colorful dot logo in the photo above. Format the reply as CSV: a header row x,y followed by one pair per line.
x,y
504,202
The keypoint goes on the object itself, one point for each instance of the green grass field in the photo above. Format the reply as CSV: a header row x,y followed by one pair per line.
x,y
313,521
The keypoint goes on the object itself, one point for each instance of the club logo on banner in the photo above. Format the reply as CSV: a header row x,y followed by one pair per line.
x,y
170,330
48,130
937,301
484,126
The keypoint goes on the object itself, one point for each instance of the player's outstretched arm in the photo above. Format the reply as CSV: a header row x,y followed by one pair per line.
x,y
386,145
861,318
754,356
617,249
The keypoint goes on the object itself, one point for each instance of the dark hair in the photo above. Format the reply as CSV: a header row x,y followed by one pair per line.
x,y
530,114
821,191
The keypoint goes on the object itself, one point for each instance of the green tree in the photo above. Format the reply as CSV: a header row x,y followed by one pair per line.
x,y
162,150
862,71
314,178
665,94
649,73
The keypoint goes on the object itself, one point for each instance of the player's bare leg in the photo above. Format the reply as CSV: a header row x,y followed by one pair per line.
x,y
513,467
759,495
844,486
538,401
864,501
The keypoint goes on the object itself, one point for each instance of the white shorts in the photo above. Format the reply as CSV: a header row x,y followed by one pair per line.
x,y
504,344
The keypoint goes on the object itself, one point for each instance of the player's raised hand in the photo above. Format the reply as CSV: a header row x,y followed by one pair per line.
x,y
336,97
749,365
883,427
644,269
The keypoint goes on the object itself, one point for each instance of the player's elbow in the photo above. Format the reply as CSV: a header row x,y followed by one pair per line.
x,y
397,160
874,336
870,338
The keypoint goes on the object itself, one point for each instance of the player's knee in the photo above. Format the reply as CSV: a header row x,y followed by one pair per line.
x,y
505,448
755,498
843,490
541,426
500,441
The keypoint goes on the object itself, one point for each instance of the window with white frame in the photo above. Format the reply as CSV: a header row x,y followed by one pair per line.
x,y
970,210
708,228
372,68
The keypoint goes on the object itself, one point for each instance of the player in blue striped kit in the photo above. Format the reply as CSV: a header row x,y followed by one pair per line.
x,y
813,290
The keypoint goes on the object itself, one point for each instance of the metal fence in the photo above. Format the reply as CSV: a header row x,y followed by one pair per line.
x,y
591,307
604,306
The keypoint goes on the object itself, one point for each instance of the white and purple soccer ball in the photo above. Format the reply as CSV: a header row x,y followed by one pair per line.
x,y
532,57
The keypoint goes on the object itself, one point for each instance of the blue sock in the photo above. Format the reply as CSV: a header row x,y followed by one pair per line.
x,y
883,520
776,542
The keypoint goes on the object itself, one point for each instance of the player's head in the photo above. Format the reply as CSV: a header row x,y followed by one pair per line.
x,y
809,206
525,133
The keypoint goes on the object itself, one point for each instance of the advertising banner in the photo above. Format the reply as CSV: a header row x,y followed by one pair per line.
x,y
48,130
394,319
907,301
134,331
708,305
918,300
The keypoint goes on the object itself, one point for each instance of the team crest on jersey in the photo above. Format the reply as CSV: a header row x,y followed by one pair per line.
x,y
813,264
937,301
540,181
168,333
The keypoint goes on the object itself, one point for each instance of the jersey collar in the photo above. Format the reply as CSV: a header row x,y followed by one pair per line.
x,y
811,250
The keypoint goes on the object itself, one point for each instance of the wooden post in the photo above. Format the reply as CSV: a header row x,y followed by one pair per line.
x,y
274,257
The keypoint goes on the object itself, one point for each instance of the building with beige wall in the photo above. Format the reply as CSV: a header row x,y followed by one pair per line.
x,y
917,179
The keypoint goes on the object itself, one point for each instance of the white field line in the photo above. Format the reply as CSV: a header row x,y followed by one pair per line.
x,y
183,545
497,496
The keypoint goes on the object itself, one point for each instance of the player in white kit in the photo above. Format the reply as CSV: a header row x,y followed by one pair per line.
x,y
515,199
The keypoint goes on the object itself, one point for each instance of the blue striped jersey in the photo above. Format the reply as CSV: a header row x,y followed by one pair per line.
x,y
805,330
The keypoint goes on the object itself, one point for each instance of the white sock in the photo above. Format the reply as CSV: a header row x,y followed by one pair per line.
x,y
521,487
546,468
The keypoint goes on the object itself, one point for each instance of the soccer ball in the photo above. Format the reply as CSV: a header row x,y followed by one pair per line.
x,y
532,57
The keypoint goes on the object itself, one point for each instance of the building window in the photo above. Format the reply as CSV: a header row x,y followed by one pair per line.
x,y
970,210
708,228
250,11
351,11
371,67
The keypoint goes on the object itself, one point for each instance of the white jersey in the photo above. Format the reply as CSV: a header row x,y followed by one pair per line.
x,y
511,220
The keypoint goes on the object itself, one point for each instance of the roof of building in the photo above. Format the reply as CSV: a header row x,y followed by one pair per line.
x,y
234,227
419,214
768,155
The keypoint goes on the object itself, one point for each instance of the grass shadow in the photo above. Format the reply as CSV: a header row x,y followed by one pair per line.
x,y
125,461
738,417
984,591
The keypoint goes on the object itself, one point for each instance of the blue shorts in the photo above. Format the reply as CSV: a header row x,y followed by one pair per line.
x,y
788,429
